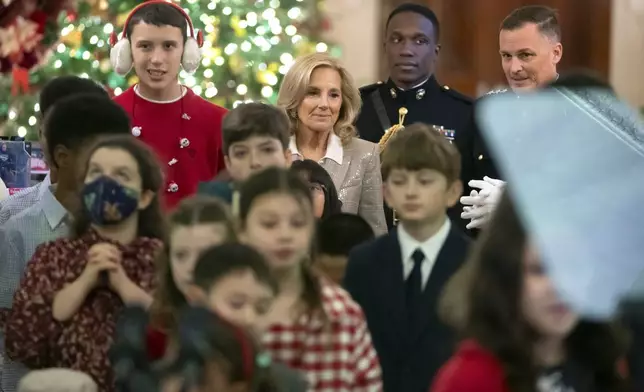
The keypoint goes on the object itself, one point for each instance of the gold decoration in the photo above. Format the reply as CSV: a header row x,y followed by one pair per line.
x,y
73,39
392,91
402,112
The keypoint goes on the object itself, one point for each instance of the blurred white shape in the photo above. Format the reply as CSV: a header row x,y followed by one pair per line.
x,y
574,165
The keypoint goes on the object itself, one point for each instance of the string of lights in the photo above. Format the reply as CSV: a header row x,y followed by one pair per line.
x,y
249,45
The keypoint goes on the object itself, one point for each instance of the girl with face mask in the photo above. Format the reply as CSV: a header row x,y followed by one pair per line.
x,y
65,310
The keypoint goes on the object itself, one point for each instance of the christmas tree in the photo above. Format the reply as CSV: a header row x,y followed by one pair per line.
x,y
249,45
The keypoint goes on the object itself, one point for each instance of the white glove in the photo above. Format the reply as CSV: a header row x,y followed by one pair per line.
x,y
480,205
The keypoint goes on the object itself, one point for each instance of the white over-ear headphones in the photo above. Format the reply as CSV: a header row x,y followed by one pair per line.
x,y
121,53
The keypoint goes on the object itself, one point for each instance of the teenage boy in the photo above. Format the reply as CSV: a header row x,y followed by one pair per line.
x,y
397,278
180,126
255,136
57,89
70,126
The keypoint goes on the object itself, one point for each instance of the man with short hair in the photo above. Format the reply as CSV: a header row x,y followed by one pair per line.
x,y
530,48
411,44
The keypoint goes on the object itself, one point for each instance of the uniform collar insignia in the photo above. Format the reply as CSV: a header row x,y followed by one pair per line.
x,y
498,91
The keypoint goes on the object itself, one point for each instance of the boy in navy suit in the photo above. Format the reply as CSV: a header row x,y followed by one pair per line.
x,y
256,136
397,279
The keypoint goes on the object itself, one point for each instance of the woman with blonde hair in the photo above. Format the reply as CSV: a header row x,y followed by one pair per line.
x,y
322,103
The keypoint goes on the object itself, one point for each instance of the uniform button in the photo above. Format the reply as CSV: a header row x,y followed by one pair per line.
x,y
172,161
136,131
480,157
184,142
173,187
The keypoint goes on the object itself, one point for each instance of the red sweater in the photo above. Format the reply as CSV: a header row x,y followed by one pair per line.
x,y
186,136
471,369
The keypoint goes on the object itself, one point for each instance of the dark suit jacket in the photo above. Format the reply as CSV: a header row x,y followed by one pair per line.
x,y
409,355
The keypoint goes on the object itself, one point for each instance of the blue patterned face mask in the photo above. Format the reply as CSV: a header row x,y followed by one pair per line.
x,y
107,202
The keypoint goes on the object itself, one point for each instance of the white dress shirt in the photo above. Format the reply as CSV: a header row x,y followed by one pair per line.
x,y
430,248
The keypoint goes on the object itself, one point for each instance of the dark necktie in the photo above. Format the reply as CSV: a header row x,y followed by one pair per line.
x,y
414,283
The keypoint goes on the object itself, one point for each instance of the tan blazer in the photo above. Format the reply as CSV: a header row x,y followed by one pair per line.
x,y
359,182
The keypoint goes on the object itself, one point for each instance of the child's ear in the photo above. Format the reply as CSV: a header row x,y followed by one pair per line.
x,y
146,199
227,162
196,296
454,193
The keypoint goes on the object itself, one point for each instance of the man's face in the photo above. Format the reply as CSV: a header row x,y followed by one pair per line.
x,y
529,58
156,53
411,48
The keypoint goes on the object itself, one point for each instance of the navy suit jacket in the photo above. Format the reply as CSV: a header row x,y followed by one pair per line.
x,y
410,355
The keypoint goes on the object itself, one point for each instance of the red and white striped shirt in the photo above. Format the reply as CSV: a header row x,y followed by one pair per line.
x,y
335,355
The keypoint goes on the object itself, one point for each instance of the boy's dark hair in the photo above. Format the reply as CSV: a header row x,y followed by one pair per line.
x,y
316,174
219,261
255,119
419,147
80,118
420,10
158,14
65,86
340,233
544,17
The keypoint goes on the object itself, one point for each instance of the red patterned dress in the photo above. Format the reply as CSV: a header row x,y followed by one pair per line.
x,y
34,338
336,354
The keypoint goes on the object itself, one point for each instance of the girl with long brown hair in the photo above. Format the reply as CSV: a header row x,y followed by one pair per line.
x,y
196,224
519,336
313,326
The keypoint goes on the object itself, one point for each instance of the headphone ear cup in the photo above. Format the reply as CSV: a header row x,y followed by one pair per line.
x,y
121,57
191,55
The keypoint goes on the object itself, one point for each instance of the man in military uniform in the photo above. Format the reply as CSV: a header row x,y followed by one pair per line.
x,y
530,48
411,46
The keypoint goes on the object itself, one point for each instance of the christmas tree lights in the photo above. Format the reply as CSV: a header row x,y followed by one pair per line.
x,y
249,45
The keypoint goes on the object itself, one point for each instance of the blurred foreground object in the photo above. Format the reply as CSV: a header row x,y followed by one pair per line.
x,y
4,192
57,380
128,355
574,161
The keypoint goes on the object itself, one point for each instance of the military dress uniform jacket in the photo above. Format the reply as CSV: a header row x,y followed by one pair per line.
x,y
429,103
480,163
